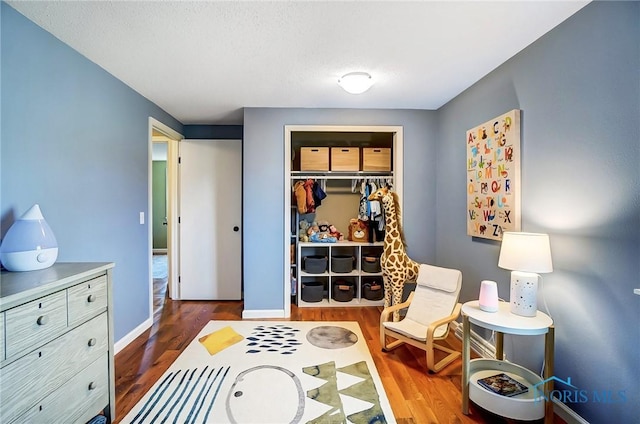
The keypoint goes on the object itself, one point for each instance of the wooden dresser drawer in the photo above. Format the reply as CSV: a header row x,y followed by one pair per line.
x,y
42,371
2,355
77,401
35,323
87,299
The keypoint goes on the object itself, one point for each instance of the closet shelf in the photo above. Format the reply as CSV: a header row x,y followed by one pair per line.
x,y
335,175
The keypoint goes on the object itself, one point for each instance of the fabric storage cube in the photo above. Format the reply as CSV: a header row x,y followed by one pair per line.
x,y
345,159
314,158
343,291
371,264
315,264
341,263
373,290
312,291
376,159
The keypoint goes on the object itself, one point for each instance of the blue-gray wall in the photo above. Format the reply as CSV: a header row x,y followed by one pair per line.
x,y
263,179
75,141
579,91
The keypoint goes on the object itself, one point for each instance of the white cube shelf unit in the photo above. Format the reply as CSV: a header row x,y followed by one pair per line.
x,y
357,277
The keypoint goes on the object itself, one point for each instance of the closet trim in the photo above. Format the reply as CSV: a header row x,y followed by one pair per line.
x,y
398,173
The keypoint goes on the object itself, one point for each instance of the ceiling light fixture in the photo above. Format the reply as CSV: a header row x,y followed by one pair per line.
x,y
356,82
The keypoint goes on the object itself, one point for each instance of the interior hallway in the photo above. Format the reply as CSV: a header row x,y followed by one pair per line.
x,y
160,280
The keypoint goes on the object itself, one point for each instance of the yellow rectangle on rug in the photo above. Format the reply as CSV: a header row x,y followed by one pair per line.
x,y
220,340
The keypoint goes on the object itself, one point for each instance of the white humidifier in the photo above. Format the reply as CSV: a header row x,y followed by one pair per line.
x,y
29,244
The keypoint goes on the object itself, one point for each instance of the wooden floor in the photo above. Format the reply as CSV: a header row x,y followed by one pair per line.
x,y
415,395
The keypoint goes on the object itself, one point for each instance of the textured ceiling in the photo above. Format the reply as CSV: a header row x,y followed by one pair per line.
x,y
204,61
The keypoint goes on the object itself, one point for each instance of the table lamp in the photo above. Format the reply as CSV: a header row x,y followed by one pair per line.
x,y
526,255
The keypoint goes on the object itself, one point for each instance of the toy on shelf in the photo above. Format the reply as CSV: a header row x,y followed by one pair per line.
x,y
321,232
358,230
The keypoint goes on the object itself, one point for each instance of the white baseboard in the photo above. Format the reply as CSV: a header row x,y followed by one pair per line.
x,y
485,349
567,414
123,342
478,344
263,313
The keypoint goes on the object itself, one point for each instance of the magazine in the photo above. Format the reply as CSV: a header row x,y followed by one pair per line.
x,y
503,385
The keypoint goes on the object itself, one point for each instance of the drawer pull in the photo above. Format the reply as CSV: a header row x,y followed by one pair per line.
x,y
92,342
92,385
91,298
42,320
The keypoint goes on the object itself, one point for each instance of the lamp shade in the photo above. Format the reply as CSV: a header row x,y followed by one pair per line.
x,y
29,244
528,252
356,82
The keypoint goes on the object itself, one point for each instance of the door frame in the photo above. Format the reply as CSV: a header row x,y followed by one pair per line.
x,y
398,175
172,138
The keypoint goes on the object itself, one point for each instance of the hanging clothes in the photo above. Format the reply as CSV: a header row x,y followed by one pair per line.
x,y
308,187
301,197
363,210
318,194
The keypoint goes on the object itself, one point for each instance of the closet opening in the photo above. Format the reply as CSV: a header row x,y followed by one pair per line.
x,y
345,163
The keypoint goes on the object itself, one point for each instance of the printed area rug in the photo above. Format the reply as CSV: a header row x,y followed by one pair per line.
x,y
269,372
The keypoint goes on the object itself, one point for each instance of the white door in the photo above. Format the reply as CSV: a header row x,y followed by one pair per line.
x,y
210,174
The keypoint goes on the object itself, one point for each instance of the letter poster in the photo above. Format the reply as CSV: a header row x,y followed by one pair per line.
x,y
493,177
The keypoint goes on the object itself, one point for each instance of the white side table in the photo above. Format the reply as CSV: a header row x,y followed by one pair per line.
x,y
525,406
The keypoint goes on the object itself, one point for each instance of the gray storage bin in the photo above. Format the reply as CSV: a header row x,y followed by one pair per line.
x,y
371,264
315,264
312,291
373,290
341,263
343,291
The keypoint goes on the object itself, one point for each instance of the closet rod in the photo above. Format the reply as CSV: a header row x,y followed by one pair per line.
x,y
335,177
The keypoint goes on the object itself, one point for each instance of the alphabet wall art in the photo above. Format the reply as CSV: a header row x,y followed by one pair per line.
x,y
493,177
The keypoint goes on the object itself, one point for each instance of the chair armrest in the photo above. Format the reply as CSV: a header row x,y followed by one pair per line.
x,y
454,315
384,316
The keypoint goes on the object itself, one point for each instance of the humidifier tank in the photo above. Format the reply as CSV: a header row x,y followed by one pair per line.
x,y
29,244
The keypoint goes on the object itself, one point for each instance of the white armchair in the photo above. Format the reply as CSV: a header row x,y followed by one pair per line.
x,y
431,308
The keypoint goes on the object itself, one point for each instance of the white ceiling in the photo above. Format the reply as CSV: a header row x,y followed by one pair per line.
x,y
204,61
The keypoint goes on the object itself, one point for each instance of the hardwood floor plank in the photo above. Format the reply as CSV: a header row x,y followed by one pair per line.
x,y
416,396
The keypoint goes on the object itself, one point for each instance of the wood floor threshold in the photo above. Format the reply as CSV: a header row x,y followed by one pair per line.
x,y
416,396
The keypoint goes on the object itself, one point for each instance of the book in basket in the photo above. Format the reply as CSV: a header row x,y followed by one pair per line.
x,y
503,385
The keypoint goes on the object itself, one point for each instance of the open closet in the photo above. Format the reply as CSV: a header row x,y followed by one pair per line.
x,y
335,236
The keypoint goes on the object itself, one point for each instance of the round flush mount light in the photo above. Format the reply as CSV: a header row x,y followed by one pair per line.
x,y
356,82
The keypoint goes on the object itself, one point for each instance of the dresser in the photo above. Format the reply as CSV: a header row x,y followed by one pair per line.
x,y
56,344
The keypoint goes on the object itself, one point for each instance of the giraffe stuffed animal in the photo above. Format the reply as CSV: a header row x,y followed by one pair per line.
x,y
397,267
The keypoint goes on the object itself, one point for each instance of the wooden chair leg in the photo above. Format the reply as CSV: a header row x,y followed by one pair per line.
x,y
452,356
386,347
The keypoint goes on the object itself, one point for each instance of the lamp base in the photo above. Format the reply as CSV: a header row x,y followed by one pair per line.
x,y
524,293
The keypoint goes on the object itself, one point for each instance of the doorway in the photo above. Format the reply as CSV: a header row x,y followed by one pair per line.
x,y
163,215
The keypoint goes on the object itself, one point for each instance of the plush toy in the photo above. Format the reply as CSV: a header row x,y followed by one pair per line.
x,y
323,226
303,236
358,230
318,237
333,232
312,229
